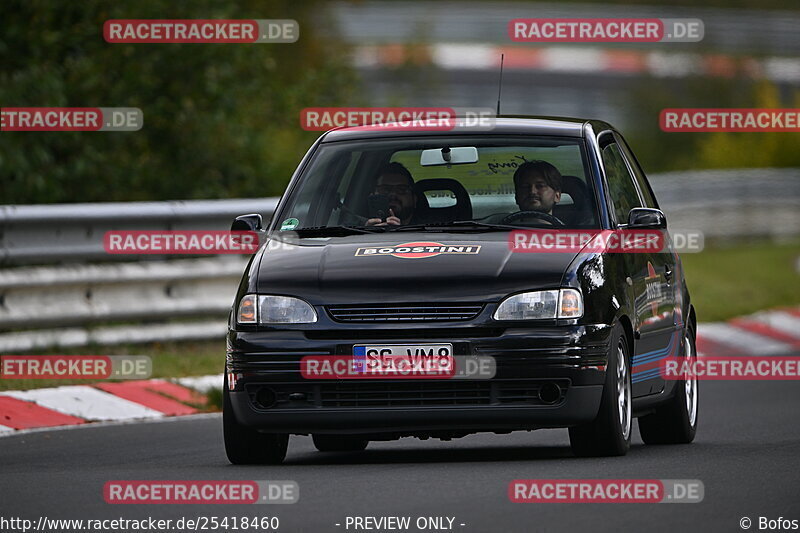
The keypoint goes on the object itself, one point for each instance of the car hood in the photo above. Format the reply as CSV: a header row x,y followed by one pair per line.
x,y
405,267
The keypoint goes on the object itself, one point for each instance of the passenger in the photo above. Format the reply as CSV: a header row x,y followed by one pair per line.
x,y
537,186
396,182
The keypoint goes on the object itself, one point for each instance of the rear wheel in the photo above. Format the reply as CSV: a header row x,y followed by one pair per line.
x,y
676,422
610,433
339,443
245,445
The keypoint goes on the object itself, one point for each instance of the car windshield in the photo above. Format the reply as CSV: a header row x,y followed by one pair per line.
x,y
469,182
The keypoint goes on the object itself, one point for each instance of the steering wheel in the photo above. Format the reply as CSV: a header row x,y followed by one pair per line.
x,y
508,219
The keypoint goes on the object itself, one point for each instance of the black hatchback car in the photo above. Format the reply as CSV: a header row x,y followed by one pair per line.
x,y
396,243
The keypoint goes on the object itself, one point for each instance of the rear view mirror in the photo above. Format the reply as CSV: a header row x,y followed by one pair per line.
x,y
647,218
251,222
449,156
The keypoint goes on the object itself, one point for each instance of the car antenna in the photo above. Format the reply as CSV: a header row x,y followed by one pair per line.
x,y
500,87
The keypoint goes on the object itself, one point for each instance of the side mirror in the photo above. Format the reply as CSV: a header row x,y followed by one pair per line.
x,y
647,218
251,222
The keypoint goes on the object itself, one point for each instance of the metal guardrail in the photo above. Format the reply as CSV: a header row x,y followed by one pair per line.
x,y
87,294
38,234
185,299
158,299
732,204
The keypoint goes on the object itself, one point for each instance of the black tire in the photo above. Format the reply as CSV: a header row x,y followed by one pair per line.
x,y
610,433
672,423
247,446
339,443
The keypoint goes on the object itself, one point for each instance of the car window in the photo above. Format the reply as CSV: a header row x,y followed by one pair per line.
x,y
620,183
638,174
490,181
344,187
340,183
307,201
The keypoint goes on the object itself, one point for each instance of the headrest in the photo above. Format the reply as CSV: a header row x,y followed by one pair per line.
x,y
462,210
576,188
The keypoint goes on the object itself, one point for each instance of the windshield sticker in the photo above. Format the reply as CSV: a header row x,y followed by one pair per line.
x,y
418,250
289,224
515,162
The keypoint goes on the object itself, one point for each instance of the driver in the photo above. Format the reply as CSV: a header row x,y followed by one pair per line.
x,y
396,182
537,186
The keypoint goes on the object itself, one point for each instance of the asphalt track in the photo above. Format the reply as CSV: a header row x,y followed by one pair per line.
x,y
747,453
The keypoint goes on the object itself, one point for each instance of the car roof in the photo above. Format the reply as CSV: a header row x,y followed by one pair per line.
x,y
504,125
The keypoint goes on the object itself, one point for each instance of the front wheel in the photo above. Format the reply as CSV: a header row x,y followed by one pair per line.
x,y
676,421
245,445
610,433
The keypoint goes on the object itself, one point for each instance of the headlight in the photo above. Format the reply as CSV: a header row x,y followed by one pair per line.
x,y
562,303
274,310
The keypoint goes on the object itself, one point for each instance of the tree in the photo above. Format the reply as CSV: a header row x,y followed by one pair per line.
x,y
220,120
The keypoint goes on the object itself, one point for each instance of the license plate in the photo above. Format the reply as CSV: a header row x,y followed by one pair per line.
x,y
416,359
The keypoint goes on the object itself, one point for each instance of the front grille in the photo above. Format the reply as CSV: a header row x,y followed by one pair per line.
x,y
441,334
404,312
411,393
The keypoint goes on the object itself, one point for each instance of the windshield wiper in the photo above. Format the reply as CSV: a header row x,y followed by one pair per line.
x,y
337,231
460,224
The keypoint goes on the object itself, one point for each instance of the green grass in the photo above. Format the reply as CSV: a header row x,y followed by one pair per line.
x,y
729,281
170,360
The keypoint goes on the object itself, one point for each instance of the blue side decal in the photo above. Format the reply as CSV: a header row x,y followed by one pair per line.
x,y
653,356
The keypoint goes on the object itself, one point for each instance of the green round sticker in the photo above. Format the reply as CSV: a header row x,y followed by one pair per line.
x,y
289,224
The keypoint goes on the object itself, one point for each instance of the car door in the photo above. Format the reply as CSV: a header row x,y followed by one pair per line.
x,y
669,261
648,274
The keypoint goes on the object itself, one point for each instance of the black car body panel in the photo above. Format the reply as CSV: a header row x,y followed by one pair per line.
x,y
324,273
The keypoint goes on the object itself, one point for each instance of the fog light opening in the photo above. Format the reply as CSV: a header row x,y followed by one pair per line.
x,y
549,393
266,397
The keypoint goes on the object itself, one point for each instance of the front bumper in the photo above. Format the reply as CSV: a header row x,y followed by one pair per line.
x,y
573,357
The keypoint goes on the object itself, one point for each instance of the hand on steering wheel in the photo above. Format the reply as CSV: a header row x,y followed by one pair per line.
x,y
508,219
